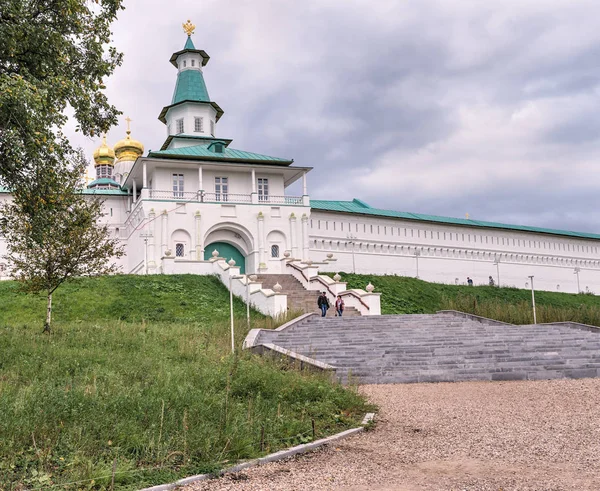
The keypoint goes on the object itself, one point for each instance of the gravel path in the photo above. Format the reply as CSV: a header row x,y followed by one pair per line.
x,y
455,436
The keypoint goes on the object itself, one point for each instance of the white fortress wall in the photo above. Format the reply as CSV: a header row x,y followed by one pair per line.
x,y
445,252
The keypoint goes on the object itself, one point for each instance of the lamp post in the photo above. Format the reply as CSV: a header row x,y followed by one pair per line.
x,y
417,254
576,271
146,236
232,277
351,238
533,299
250,278
497,264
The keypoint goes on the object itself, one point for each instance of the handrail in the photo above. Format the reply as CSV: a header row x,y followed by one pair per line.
x,y
298,268
322,281
347,292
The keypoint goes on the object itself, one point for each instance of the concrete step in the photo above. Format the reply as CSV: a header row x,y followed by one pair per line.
x,y
418,348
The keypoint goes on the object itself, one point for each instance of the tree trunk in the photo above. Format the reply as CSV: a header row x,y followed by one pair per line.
x,y
48,314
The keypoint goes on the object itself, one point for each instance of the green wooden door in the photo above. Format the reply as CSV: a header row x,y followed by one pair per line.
x,y
227,251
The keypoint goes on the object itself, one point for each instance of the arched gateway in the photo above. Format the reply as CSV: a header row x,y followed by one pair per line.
x,y
227,251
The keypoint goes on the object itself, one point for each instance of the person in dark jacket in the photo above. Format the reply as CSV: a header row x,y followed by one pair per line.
x,y
323,304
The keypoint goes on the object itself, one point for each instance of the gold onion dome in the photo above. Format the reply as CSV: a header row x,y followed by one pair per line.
x,y
128,149
104,155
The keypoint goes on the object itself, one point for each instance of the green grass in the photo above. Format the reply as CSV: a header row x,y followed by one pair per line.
x,y
404,295
138,372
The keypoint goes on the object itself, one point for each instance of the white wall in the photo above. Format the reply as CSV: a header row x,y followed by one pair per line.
x,y
188,111
447,252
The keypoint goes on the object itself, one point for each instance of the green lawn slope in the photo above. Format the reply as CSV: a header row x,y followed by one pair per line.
x,y
138,374
404,295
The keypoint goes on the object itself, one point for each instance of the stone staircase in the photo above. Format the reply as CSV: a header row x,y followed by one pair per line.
x,y
441,348
299,298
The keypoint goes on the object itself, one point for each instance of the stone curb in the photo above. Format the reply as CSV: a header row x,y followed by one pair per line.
x,y
252,336
282,454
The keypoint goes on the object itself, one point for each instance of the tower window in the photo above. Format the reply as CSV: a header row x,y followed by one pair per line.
x,y
212,128
184,63
263,190
221,188
179,250
199,125
180,125
193,62
178,185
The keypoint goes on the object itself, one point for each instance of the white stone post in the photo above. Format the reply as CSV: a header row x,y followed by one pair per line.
x,y
304,236
200,183
293,237
134,192
144,177
262,265
305,199
199,244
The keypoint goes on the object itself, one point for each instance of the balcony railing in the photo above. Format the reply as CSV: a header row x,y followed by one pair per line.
x,y
204,197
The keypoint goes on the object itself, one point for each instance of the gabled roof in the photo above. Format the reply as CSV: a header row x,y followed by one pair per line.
x,y
206,151
103,181
359,207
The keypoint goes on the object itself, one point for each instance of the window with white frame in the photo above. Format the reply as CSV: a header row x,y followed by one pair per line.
x,y
221,188
179,250
180,125
274,250
193,62
212,128
184,63
178,185
199,125
263,189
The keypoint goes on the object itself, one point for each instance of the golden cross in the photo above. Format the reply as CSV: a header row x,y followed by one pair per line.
x,y
128,119
188,27
467,215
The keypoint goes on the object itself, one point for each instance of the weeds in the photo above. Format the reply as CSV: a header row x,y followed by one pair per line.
x,y
146,400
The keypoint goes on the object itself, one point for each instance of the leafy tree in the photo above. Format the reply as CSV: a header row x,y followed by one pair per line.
x,y
53,231
54,54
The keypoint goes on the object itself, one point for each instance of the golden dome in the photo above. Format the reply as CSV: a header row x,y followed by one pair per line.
x,y
104,155
128,149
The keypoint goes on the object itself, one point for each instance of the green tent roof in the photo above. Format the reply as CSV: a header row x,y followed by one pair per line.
x,y
206,151
190,86
189,44
360,207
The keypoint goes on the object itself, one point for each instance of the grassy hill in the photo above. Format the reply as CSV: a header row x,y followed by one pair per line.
x,y
139,374
403,295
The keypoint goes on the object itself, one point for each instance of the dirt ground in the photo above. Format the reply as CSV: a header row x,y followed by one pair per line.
x,y
542,435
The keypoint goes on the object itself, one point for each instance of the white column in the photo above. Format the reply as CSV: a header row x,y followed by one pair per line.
x,y
163,233
254,196
134,192
144,177
261,241
151,239
200,184
199,243
304,188
304,237
293,238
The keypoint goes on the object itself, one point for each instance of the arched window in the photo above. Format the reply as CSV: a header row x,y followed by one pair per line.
x,y
275,251
179,250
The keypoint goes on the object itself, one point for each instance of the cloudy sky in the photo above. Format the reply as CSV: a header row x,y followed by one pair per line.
x,y
429,106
